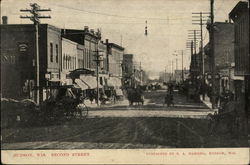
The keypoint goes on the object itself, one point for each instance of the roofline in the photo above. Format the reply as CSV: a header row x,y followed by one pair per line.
x,y
81,31
70,41
48,25
117,46
236,9
224,23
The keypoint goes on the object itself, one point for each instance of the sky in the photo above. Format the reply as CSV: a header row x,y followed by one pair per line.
x,y
123,22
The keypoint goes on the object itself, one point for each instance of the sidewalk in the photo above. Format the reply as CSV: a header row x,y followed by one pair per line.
x,y
122,103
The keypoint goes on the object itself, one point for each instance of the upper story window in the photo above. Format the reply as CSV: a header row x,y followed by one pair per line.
x,y
57,53
51,52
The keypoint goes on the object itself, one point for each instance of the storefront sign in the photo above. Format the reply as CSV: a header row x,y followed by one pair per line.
x,y
47,76
23,47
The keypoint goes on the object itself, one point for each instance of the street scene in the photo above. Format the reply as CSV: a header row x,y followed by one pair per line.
x,y
130,75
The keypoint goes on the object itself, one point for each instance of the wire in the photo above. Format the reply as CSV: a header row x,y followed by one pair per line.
x,y
113,15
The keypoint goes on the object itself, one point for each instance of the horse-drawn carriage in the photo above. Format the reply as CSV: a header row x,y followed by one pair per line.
x,y
64,104
135,96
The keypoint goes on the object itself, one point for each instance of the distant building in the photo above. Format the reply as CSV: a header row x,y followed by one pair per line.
x,y
88,38
165,77
115,57
102,47
127,71
18,55
177,77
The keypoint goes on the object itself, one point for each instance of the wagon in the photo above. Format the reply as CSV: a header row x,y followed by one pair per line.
x,y
135,96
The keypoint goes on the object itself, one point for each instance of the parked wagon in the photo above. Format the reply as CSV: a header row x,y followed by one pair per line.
x,y
135,96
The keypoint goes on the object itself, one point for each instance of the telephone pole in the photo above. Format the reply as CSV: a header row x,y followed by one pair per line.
x,y
182,73
35,18
201,23
211,38
97,60
194,34
140,74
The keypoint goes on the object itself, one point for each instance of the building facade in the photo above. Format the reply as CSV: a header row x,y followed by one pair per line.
x,y
240,16
69,59
224,54
127,70
102,47
89,39
223,57
115,53
18,56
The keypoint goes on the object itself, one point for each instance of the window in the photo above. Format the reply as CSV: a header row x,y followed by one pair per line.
x,y
64,61
69,62
56,53
51,52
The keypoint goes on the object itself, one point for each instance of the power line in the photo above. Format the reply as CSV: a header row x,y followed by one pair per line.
x,y
114,15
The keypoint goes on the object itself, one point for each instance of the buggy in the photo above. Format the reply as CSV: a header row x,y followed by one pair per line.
x,y
135,96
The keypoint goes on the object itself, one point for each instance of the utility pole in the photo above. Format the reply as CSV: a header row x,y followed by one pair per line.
x,y
35,18
140,74
192,54
201,16
211,36
172,69
182,73
97,60
165,76
194,67
193,35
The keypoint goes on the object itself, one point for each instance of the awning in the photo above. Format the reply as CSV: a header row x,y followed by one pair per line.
x,y
238,78
81,84
76,86
90,81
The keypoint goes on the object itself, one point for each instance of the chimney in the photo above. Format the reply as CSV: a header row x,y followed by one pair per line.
x,y
86,28
5,20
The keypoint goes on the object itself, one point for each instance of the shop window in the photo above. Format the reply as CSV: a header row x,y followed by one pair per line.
x,y
51,52
57,53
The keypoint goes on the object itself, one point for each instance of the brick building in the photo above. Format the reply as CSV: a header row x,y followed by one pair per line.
x,y
224,53
224,56
115,57
240,16
69,59
18,59
89,39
